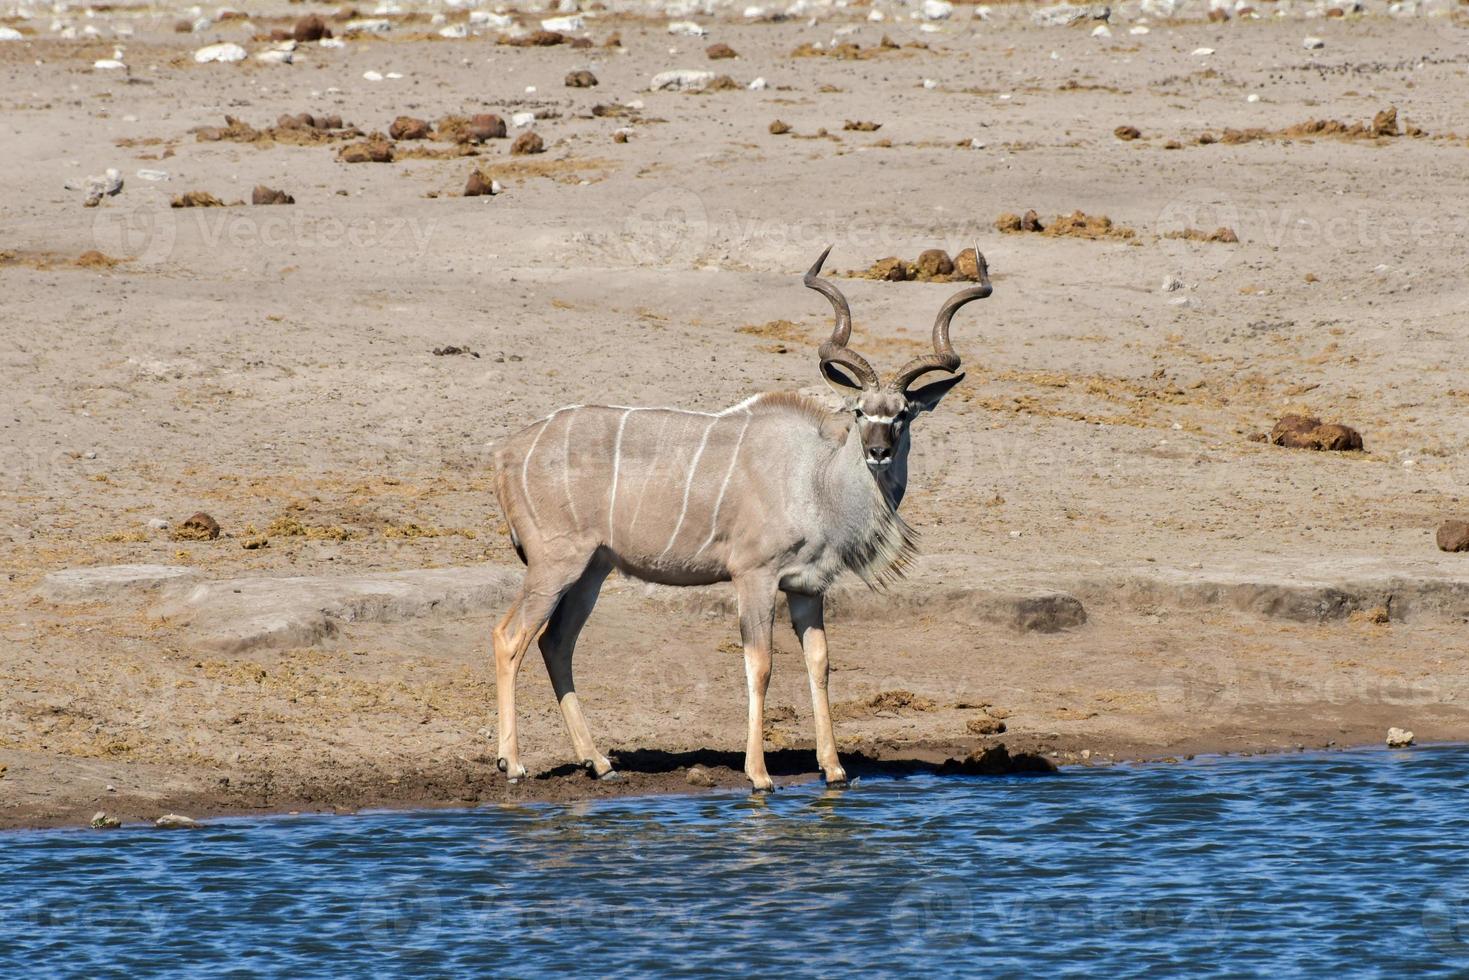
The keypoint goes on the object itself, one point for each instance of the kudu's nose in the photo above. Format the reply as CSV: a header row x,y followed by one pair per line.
x,y
878,454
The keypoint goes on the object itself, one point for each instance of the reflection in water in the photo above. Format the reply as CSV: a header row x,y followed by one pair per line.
x,y
1318,863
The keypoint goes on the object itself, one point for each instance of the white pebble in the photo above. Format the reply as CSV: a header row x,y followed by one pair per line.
x,y
1252,97
1138,30
1203,52
686,28
520,119
1102,30
930,83
373,76
1313,43
224,53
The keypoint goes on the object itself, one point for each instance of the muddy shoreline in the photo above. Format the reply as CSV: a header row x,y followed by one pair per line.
x,y
641,772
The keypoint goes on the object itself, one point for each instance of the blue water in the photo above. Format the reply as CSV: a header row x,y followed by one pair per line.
x,y
1353,862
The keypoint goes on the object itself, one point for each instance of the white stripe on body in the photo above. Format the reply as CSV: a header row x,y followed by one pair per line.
x,y
688,486
719,501
616,468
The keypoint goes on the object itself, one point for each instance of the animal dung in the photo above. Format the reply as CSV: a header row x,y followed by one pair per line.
x,y
1306,432
1453,535
528,142
265,195
199,527
409,128
580,78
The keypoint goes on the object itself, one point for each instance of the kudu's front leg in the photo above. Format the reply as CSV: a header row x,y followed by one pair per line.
x,y
808,621
757,619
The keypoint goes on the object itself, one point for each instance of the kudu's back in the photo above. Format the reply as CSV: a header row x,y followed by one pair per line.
x,y
671,496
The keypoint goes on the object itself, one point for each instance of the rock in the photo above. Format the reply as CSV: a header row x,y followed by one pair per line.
x,y
374,25
985,725
1304,432
1171,284
564,25
196,199
1203,52
1127,133
779,128
101,820
199,527
527,143
581,78
758,85
720,51
223,53
276,56
934,262
1313,44
1101,30
861,126
265,195
367,151
158,524
522,119
1066,14
1453,536
686,28
681,80
10,34
174,821
699,776
1399,738
486,126
101,582
310,28
937,10
1385,123
409,128
479,185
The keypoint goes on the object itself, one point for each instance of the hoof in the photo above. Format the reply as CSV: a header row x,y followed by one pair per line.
x,y
762,788
512,775
837,778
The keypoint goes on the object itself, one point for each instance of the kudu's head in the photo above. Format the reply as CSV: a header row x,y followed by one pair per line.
x,y
884,411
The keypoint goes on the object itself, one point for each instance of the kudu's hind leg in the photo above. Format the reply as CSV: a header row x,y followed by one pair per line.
x,y
757,617
558,643
538,599
808,621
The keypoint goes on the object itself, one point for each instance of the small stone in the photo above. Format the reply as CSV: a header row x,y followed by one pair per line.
x,y
779,128
409,128
720,51
224,53
158,524
937,9
934,262
1399,738
310,28
174,821
682,80
1453,535
699,776
102,820
522,119
199,527
1171,284
265,195
581,78
485,126
620,136
1127,133
526,143
1313,44
255,543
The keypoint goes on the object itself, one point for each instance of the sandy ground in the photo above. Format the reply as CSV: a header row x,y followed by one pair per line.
x,y
273,366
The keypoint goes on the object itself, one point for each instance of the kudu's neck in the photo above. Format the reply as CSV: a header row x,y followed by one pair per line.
x,y
848,475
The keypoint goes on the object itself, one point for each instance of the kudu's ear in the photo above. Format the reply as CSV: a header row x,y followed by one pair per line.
x,y
927,398
840,381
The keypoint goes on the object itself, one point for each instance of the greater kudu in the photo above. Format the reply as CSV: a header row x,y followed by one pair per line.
x,y
774,494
